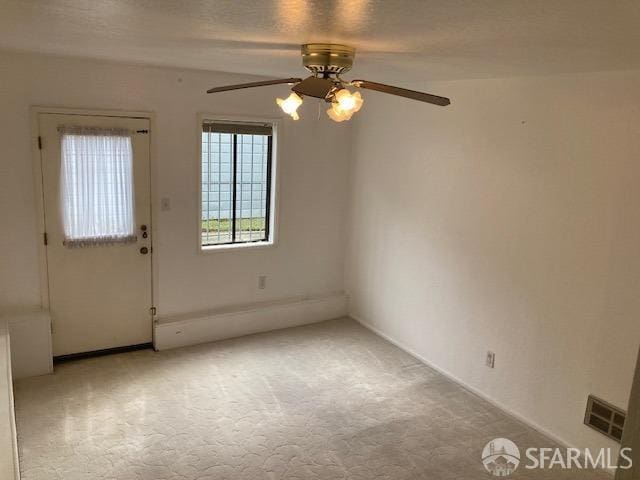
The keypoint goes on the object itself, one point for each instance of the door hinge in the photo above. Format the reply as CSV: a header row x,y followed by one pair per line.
x,y
153,311
45,238
39,142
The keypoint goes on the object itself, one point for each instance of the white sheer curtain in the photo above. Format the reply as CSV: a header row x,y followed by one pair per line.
x,y
96,186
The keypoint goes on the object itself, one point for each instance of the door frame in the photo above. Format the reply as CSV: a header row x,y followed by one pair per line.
x,y
36,157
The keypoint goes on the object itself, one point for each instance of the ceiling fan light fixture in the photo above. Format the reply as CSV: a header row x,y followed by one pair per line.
x,y
338,115
290,105
344,105
349,101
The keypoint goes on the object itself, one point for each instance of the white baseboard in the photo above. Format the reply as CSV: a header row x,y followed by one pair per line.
x,y
520,418
239,320
463,384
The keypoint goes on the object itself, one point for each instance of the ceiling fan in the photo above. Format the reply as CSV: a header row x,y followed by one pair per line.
x,y
327,62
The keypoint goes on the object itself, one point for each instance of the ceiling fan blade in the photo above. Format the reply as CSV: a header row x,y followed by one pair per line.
x,y
402,92
253,84
314,87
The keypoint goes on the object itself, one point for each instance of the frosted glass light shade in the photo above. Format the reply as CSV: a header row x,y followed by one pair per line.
x,y
290,105
344,105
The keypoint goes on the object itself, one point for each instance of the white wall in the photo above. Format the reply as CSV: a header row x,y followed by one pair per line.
x,y
631,434
313,164
9,468
509,221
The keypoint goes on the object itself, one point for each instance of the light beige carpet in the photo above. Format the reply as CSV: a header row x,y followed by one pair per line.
x,y
324,401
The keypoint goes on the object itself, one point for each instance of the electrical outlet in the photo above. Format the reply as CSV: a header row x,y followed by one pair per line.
x,y
262,282
491,359
165,204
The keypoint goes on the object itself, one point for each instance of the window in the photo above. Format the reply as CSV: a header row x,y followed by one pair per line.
x,y
96,185
236,166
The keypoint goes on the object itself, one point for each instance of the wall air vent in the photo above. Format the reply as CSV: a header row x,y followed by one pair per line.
x,y
605,418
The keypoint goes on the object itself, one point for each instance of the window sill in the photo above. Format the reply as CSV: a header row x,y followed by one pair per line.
x,y
236,246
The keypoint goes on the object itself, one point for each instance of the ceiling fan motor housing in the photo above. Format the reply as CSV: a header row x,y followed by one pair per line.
x,y
323,59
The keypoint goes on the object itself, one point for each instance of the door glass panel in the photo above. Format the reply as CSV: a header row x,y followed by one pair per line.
x,y
96,186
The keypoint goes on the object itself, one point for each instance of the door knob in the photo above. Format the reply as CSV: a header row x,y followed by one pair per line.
x,y
144,250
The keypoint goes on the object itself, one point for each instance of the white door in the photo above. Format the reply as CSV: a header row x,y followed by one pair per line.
x,y
96,187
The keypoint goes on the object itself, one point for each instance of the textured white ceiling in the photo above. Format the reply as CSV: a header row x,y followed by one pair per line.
x,y
402,41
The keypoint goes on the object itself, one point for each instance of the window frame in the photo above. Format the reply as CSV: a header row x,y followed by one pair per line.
x,y
273,186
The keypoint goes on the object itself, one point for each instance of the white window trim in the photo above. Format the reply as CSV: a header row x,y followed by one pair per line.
x,y
275,167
